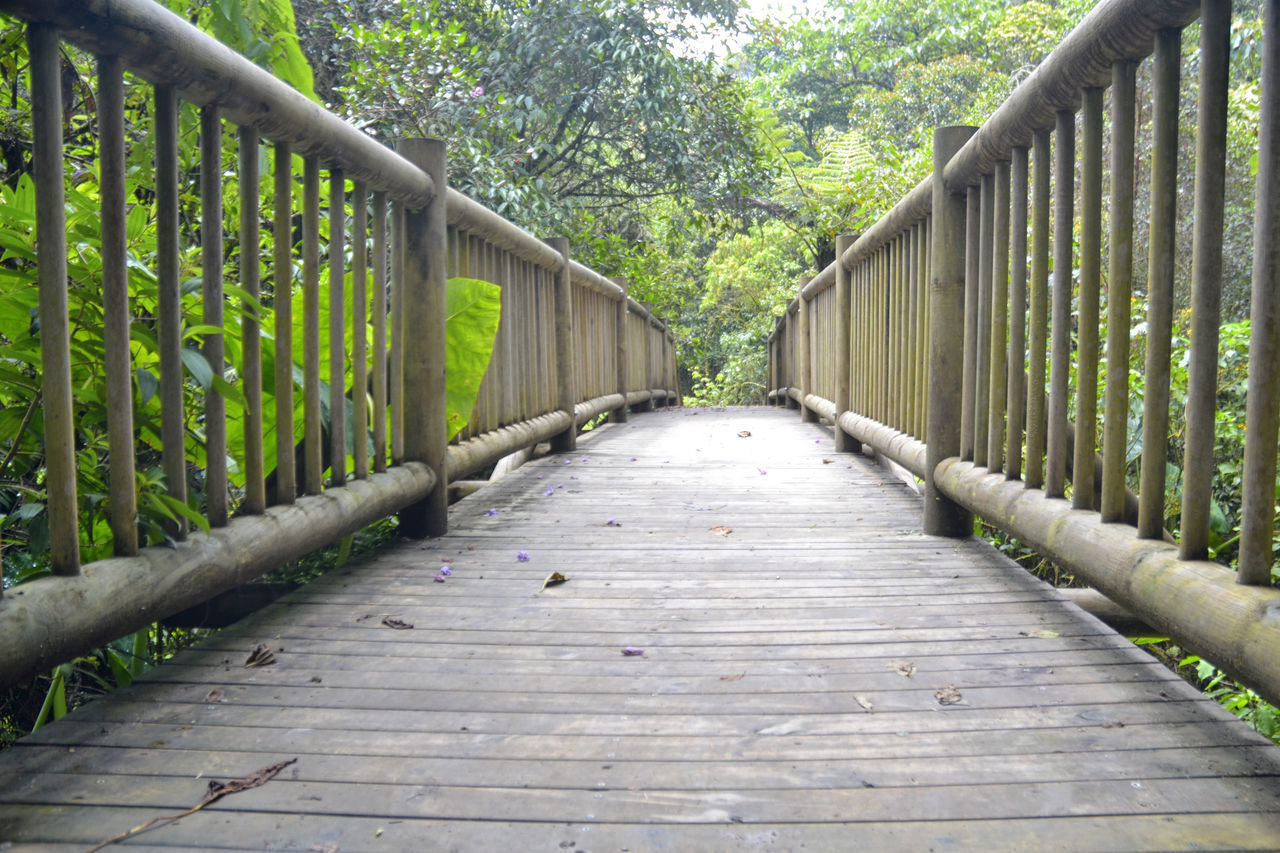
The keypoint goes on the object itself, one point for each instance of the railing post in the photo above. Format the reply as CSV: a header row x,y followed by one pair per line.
x,y
791,348
55,335
845,443
423,320
568,440
619,415
942,516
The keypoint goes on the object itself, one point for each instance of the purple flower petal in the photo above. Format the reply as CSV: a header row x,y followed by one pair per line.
x,y
762,471
585,459
559,485
438,579
633,459
631,651
539,476
492,511
446,571
522,556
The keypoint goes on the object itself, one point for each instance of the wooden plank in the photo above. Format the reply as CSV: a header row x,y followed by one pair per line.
x,y
769,709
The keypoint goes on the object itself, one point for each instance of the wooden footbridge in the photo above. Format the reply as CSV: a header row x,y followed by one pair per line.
x,y
816,674
681,630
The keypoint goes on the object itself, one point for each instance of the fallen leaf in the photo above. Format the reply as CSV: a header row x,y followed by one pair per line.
x,y
632,651
1114,724
721,530
827,461
398,624
554,579
863,701
904,667
744,433
217,694
260,656
737,677
1044,635
948,695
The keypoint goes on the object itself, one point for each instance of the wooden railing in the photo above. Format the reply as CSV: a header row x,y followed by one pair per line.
x,y
928,338
571,345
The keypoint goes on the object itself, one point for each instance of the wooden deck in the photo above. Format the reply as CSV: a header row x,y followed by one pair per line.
x,y
816,675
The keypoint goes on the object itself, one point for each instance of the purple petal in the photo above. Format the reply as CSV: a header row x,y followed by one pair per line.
x,y
492,511
762,471
522,556
549,492
630,651
585,459
446,571
633,459
438,579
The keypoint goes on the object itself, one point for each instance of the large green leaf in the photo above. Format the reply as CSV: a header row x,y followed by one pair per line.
x,y
472,311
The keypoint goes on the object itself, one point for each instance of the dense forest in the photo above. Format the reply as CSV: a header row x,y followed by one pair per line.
x,y
708,155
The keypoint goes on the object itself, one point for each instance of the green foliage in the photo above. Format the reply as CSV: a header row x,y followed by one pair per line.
x,y
261,30
473,310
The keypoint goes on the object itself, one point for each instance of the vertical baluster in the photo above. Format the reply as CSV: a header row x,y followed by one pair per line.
x,y
968,391
1119,291
1206,280
1039,311
1166,71
926,275
282,300
337,330
55,335
997,378
255,489
395,371
1082,479
982,367
1059,370
359,329
215,407
115,306
1257,514
313,466
910,363
1017,387
169,321
379,305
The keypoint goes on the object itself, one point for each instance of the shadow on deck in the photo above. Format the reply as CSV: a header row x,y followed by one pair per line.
x,y
815,673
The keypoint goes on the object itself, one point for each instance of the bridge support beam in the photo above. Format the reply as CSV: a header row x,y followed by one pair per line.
x,y
943,516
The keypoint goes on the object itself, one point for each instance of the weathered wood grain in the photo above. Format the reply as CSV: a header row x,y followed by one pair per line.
x,y
787,696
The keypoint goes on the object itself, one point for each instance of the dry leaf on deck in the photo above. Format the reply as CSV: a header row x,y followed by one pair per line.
x,y
863,701
904,667
744,433
554,579
736,677
398,624
1044,635
948,695
260,656
721,530
217,694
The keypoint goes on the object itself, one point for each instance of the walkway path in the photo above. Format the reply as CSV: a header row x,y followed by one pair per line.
x,y
815,674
